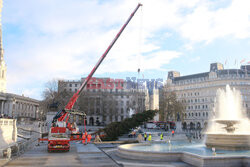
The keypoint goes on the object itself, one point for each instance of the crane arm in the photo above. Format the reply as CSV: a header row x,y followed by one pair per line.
x,y
74,98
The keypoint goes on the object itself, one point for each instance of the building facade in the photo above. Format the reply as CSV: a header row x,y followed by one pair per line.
x,y
18,107
105,100
198,91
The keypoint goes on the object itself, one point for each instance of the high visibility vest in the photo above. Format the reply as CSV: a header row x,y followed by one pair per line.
x,y
149,138
145,135
88,137
161,136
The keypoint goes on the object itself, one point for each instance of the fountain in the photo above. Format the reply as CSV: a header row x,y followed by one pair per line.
x,y
229,112
227,139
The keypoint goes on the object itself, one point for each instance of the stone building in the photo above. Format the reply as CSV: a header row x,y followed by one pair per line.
x,y
105,100
16,106
152,98
198,91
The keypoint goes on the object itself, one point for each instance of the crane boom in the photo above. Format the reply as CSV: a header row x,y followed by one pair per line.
x,y
74,98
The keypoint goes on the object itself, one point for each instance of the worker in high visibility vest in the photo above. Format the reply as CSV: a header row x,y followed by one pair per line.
x,y
145,136
88,138
84,136
172,132
161,136
149,137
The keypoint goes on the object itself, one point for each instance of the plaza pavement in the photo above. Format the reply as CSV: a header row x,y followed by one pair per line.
x,y
91,155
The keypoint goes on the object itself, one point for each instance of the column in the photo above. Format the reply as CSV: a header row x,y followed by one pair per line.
x,y
2,107
10,112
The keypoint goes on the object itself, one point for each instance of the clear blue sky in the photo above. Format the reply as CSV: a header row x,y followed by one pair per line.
x,y
47,39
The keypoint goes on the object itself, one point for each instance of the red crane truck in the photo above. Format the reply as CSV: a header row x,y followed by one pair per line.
x,y
62,131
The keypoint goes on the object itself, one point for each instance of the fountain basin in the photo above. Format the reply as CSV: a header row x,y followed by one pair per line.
x,y
195,154
228,141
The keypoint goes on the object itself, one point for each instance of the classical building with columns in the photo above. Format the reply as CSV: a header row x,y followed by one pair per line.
x,y
16,106
12,105
198,91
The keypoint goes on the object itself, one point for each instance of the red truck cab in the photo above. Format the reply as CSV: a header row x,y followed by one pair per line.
x,y
58,139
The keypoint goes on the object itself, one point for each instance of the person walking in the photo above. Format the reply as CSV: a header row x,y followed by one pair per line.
x,y
149,137
161,136
145,136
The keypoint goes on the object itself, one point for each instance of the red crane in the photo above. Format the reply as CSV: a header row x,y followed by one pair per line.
x,y
60,121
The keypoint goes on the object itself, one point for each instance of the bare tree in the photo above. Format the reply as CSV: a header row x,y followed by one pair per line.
x,y
52,96
170,107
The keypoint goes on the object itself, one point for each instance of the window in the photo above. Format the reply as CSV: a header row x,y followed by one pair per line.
x,y
70,85
75,85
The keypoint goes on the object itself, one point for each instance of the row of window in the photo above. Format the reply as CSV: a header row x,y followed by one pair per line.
x,y
190,94
197,107
25,114
199,114
195,80
93,85
195,100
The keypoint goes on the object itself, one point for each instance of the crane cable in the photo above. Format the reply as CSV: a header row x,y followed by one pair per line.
x,y
140,43
139,55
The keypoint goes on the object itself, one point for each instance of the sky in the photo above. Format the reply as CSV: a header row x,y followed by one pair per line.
x,y
63,39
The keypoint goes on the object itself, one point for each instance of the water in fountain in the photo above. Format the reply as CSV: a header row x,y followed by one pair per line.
x,y
229,129
228,107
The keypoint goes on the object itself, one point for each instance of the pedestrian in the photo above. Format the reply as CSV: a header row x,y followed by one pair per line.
x,y
172,132
161,136
89,138
149,137
145,136
97,139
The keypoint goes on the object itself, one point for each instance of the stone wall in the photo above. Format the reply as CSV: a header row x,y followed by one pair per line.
x,y
8,132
